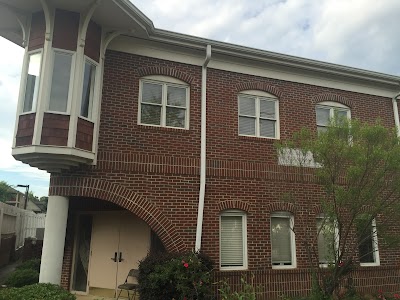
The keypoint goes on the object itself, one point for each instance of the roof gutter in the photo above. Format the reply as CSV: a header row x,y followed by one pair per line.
x,y
396,113
202,191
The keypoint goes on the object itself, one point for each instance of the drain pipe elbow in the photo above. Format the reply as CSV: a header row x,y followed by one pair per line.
x,y
202,191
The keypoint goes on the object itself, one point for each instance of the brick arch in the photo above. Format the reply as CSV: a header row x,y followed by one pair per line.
x,y
234,204
128,199
166,72
281,206
258,85
332,97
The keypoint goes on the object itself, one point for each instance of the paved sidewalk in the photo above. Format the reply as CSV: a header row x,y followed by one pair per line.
x,y
7,270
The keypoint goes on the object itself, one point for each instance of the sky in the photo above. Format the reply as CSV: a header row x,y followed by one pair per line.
x,y
357,33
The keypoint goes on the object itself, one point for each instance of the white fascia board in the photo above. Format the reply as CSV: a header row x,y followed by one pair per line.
x,y
261,68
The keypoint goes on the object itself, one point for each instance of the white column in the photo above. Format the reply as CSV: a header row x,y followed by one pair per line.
x,y
54,240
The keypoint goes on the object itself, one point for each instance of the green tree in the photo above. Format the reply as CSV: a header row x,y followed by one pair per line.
x,y
5,191
357,166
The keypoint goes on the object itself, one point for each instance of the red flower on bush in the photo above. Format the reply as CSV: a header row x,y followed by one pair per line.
x,y
186,265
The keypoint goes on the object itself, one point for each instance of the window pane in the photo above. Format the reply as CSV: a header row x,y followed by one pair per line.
x,y
151,93
280,241
176,96
267,128
88,88
247,126
60,82
323,115
151,114
267,109
231,241
175,117
32,82
366,243
326,240
341,115
247,106
321,129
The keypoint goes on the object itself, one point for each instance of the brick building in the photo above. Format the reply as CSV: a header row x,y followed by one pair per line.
x,y
156,139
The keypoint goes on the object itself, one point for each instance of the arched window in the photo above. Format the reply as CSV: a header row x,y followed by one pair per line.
x,y
327,110
283,246
233,240
258,114
164,102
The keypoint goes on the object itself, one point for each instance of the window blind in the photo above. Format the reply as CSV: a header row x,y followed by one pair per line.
x,y
232,250
281,240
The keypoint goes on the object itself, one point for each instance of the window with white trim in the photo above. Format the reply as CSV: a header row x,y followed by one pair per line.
x,y
283,248
60,84
367,242
258,114
326,111
163,103
32,82
89,76
233,240
328,240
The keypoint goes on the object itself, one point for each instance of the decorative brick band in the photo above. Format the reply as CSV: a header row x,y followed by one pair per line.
x,y
166,72
262,86
143,163
234,204
281,206
128,199
332,97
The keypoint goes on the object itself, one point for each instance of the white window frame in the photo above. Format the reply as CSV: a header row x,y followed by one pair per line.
x,y
257,95
94,89
71,81
285,215
332,106
374,235
336,241
235,213
25,80
165,81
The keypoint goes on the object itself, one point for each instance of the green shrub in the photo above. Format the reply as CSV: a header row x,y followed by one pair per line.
x,y
33,264
22,277
39,291
175,276
247,291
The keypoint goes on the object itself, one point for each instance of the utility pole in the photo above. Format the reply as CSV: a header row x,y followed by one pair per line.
x,y
26,193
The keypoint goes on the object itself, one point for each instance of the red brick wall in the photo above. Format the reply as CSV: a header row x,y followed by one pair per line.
x,y
154,172
26,125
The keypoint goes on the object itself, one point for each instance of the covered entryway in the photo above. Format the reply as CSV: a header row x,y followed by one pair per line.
x,y
103,257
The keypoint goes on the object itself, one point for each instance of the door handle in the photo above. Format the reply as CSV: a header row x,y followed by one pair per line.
x,y
115,257
120,257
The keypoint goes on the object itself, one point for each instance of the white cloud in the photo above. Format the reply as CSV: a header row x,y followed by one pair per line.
x,y
358,33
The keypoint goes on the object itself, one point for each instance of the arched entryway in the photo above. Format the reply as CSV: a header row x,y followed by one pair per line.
x,y
112,229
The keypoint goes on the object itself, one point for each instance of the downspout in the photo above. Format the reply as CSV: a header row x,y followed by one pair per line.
x,y
202,191
396,114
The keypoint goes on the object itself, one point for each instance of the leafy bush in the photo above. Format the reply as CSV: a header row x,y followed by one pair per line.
x,y
33,264
39,291
176,276
247,291
22,277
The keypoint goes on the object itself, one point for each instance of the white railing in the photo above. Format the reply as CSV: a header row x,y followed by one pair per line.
x,y
22,223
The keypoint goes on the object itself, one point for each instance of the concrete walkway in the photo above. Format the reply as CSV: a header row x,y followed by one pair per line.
x,y
5,271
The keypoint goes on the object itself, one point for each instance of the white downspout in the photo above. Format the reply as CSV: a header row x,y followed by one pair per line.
x,y
199,228
396,114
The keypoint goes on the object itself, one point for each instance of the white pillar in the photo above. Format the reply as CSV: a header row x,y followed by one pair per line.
x,y
54,240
